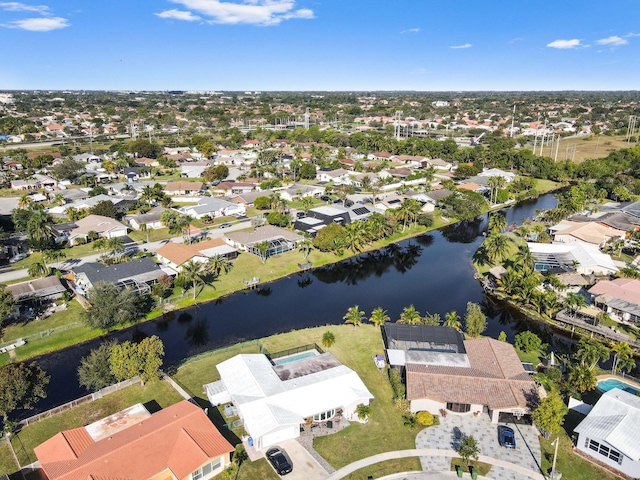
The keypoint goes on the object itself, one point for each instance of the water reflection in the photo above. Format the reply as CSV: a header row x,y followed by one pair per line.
x,y
466,231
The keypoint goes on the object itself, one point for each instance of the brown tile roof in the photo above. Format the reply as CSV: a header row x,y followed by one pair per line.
x,y
496,378
180,253
183,185
179,438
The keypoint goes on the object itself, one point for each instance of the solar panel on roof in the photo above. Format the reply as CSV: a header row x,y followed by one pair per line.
x,y
360,211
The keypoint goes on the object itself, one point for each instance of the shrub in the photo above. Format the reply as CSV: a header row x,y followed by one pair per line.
x,y
528,342
395,379
425,418
402,404
425,219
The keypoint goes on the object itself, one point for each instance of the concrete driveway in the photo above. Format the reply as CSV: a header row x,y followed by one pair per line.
x,y
526,454
305,467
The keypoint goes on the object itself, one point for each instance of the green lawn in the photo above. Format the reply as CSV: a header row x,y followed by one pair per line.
x,y
483,468
24,442
15,330
484,265
7,464
531,357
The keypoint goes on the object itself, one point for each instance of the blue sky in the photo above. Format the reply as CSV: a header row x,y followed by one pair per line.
x,y
320,45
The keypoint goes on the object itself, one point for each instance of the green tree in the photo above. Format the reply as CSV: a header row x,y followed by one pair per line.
x,y
549,414
528,342
354,316
307,204
582,378
622,357
468,449
379,317
68,170
106,208
110,306
452,319
38,269
7,303
363,411
590,352
94,371
410,316
263,250
262,203
216,173
116,245
328,339
306,247
496,246
475,322
330,238
497,222
217,265
21,386
130,359
353,236
502,337
193,272
145,148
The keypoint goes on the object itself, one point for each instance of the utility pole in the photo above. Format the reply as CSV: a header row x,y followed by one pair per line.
x,y
513,117
554,473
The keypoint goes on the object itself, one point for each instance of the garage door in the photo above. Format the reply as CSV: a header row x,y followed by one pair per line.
x,y
280,435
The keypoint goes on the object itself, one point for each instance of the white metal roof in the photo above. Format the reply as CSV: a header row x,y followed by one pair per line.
x,y
266,402
615,419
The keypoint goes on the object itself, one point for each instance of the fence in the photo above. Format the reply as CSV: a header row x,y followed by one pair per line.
x,y
292,351
234,424
622,374
43,334
79,401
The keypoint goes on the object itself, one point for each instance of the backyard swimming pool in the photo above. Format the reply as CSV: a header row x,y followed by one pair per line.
x,y
610,383
295,358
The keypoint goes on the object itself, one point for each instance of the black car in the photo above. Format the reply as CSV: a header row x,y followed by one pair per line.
x,y
300,214
325,198
506,437
279,460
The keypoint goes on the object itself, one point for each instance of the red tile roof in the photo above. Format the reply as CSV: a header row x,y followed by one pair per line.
x,y
179,438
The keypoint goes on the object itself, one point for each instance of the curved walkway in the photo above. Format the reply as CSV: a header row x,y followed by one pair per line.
x,y
429,452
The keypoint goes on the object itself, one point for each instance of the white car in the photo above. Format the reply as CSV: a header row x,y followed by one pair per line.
x,y
18,257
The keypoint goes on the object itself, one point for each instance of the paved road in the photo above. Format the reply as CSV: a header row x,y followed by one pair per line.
x,y
151,246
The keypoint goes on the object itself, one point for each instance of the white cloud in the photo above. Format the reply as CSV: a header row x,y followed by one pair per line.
x,y
466,45
21,7
411,30
573,43
45,24
613,40
179,15
253,12
515,40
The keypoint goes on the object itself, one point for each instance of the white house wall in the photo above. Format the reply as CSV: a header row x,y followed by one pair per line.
x,y
628,466
282,434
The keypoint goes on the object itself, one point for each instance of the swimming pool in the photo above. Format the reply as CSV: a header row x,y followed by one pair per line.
x,y
295,358
610,383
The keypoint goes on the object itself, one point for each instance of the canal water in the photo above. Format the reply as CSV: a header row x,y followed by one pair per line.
x,y
433,272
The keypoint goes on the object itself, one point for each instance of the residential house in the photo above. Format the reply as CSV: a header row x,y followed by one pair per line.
x,y
609,433
584,258
87,158
121,204
194,169
138,274
437,163
275,401
381,156
445,372
338,177
177,442
78,232
42,290
183,187
25,185
233,188
298,191
279,240
175,255
620,298
592,233
496,172
214,207
151,219
318,217
247,199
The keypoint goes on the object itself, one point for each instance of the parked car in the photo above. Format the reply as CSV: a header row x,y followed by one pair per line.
x,y
348,203
325,198
18,257
225,225
506,437
279,460
300,214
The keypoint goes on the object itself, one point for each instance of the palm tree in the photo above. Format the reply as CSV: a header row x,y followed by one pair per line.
x,y
193,273
148,194
263,250
354,316
100,244
622,357
307,204
574,302
25,200
452,319
305,246
38,269
145,229
408,211
582,378
53,256
328,339
379,317
58,199
116,245
218,264
354,236
497,222
590,352
496,245
410,316
39,228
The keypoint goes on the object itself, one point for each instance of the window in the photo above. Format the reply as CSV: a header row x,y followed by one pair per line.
x,y
321,417
458,407
206,469
604,450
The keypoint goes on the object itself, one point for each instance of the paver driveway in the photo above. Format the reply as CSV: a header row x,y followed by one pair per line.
x,y
527,452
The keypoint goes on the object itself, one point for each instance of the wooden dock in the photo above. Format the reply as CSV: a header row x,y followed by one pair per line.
x,y
252,283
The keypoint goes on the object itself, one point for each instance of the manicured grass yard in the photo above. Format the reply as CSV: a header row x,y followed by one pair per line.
x,y
24,442
385,430
7,464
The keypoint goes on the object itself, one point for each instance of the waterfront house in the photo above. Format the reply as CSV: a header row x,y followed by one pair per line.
x,y
609,432
593,233
175,255
620,298
177,442
445,372
583,258
280,240
138,274
275,401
